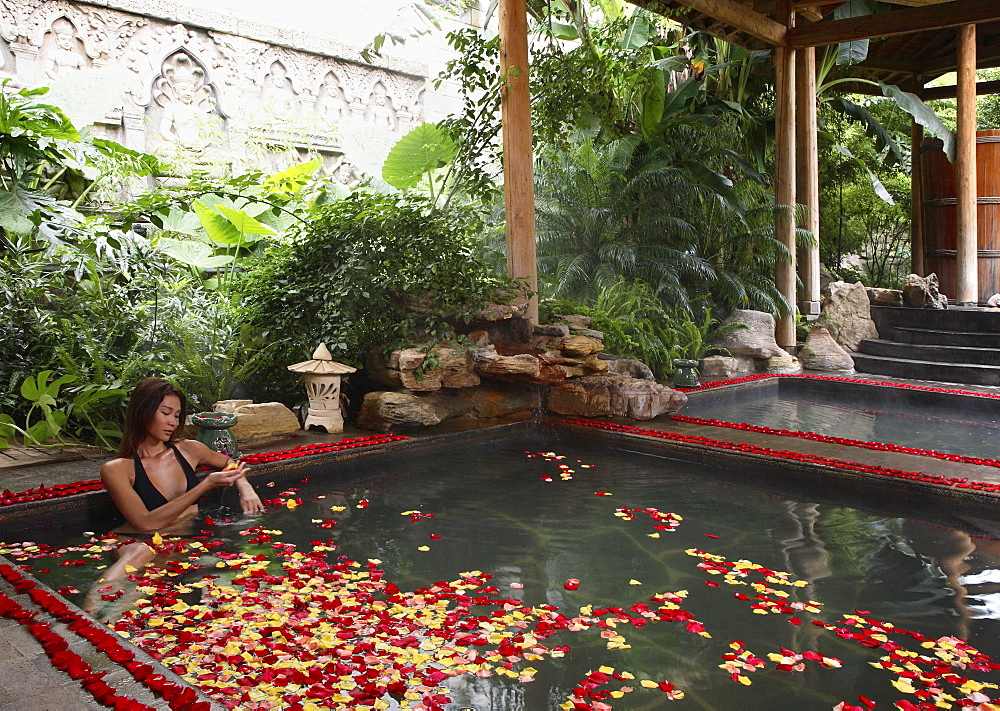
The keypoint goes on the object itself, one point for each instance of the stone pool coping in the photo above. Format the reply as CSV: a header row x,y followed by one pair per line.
x,y
31,665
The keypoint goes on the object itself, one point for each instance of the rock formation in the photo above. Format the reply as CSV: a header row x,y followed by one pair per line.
x,y
508,370
750,349
923,293
259,421
822,352
847,314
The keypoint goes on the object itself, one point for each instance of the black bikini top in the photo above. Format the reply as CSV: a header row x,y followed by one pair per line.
x,y
149,494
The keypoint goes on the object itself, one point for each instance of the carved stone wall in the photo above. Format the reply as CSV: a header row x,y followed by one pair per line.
x,y
196,78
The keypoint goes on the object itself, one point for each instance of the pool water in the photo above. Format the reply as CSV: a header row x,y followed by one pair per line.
x,y
967,425
537,511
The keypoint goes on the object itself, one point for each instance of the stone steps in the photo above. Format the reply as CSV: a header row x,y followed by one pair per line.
x,y
970,374
958,345
933,352
930,336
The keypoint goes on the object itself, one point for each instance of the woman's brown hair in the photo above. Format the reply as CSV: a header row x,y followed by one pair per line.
x,y
146,397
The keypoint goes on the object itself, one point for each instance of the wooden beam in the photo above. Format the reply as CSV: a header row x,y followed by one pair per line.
x,y
784,181
735,14
966,267
897,22
807,172
518,183
916,200
915,3
891,64
951,91
987,57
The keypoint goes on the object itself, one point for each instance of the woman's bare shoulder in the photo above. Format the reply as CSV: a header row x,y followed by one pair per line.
x,y
191,446
117,467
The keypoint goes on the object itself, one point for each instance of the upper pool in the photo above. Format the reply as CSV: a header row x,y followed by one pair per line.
x,y
603,558
953,422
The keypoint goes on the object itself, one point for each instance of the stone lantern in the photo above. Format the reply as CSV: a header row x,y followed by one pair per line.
x,y
322,376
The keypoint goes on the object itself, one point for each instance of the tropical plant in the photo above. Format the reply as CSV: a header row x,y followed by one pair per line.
x,y
634,323
663,215
418,159
369,271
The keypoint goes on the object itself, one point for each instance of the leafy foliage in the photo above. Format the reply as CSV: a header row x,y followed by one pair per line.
x,y
370,271
637,325
418,156
660,215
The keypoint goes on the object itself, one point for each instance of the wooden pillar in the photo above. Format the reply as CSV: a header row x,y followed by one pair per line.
x,y
518,177
784,180
807,174
967,281
916,201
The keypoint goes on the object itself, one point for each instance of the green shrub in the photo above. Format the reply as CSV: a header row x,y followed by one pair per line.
x,y
637,325
634,322
369,271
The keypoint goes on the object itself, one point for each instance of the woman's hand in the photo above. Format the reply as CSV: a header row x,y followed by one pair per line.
x,y
249,501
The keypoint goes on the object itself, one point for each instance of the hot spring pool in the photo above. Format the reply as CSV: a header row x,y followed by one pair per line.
x,y
965,424
681,568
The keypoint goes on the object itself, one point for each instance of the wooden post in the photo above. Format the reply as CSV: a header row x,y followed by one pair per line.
x,y
967,281
807,174
784,135
916,201
518,176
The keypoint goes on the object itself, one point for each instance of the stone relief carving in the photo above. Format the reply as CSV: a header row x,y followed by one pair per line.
x,y
187,102
331,101
348,174
278,93
380,111
62,50
181,75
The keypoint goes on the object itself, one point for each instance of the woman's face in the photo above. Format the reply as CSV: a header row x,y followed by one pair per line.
x,y
166,419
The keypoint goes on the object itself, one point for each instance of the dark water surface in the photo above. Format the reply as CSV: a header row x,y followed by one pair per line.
x,y
970,427
495,513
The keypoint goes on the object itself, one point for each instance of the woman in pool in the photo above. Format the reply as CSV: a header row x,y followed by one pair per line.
x,y
153,481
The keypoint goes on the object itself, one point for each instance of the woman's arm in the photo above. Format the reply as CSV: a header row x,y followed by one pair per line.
x,y
116,477
249,500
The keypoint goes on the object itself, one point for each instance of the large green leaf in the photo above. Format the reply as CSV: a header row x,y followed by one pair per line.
x,y
856,51
196,254
243,222
419,153
39,390
219,229
677,100
291,180
13,215
653,100
228,225
673,63
638,31
88,95
560,30
181,220
880,189
7,430
883,139
922,114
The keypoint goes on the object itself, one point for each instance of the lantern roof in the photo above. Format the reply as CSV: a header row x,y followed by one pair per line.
x,y
322,363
